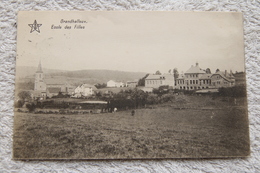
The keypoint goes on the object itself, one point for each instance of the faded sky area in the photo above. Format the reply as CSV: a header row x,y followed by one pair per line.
x,y
133,41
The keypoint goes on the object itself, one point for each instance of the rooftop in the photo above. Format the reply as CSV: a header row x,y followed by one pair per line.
x,y
195,69
54,90
88,86
164,76
225,75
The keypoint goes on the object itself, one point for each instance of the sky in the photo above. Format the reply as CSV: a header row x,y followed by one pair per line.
x,y
132,41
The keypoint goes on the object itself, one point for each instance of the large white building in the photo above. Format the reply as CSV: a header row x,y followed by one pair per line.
x,y
155,81
114,84
84,90
196,78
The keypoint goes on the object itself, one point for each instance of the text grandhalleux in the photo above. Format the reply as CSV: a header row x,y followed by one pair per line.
x,y
72,21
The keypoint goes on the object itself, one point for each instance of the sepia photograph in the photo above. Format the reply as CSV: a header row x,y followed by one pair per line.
x,y
130,85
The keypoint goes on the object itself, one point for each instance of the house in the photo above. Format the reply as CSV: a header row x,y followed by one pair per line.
x,y
52,91
155,81
222,79
132,84
112,83
84,90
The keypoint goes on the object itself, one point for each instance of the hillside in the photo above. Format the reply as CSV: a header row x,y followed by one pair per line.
x,y
28,72
80,76
98,76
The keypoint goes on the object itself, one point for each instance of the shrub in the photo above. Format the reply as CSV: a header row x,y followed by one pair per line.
x,y
19,104
152,99
236,91
31,107
167,98
181,100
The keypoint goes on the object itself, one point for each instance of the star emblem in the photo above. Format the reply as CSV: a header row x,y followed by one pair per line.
x,y
35,26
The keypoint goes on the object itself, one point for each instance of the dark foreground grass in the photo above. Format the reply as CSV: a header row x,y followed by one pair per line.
x,y
162,132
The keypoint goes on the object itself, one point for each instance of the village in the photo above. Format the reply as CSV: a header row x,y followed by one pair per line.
x,y
158,113
54,93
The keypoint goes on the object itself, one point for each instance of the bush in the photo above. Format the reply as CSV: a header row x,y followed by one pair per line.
x,y
31,107
19,104
167,98
236,91
152,99
181,100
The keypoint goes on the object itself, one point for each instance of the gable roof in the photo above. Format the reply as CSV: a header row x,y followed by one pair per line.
x,y
55,81
54,90
225,75
88,86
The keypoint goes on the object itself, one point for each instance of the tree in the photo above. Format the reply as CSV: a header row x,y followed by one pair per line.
x,y
141,82
138,97
24,96
31,107
98,86
175,73
158,72
217,70
208,71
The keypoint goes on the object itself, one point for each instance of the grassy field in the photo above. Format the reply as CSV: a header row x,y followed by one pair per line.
x,y
162,132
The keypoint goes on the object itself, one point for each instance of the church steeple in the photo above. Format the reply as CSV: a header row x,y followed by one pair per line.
x,y
39,70
39,84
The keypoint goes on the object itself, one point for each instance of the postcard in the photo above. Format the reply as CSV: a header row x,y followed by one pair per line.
x,y
130,85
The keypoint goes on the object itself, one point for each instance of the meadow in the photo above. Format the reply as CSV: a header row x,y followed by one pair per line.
x,y
158,132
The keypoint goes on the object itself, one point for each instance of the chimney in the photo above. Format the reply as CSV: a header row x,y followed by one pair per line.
x,y
225,73
197,64
231,73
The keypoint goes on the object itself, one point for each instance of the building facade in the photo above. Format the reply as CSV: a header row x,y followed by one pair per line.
x,y
132,84
155,81
196,78
84,90
222,79
113,84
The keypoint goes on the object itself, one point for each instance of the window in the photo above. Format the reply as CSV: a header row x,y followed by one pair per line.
x,y
191,88
196,81
190,81
180,87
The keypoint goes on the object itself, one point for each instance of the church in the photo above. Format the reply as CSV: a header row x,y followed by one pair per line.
x,y
47,88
